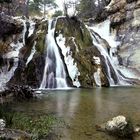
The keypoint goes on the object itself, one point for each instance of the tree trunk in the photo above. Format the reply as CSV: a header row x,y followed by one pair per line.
x,y
9,9
44,8
26,12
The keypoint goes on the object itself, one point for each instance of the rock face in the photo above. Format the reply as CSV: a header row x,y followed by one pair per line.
x,y
32,60
82,59
21,51
125,21
8,26
85,54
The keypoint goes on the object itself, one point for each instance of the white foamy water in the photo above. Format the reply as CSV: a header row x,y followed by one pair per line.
x,y
97,77
102,32
6,74
54,72
31,28
71,65
31,54
7,71
12,59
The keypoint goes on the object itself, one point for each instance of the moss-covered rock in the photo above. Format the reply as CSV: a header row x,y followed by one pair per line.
x,y
31,73
77,37
82,50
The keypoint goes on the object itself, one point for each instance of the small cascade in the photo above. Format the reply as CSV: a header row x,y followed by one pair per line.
x,y
24,31
11,59
7,71
69,60
107,46
54,73
32,54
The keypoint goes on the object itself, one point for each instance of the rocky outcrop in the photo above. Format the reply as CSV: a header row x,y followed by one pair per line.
x,y
9,30
29,71
125,20
80,51
86,63
124,16
18,40
9,26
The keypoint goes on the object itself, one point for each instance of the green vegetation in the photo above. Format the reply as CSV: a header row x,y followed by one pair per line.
x,y
26,7
91,8
41,35
35,6
39,126
57,13
79,31
83,40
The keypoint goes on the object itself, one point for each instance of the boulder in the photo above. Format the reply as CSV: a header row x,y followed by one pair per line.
x,y
18,92
119,126
12,134
2,124
9,26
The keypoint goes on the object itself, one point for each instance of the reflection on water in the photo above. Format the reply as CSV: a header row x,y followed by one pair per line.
x,y
82,109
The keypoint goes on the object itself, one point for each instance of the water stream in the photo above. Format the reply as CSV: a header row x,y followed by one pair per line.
x,y
105,42
54,73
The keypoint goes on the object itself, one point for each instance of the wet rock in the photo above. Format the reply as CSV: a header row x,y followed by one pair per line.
x,y
23,92
12,134
80,49
18,92
2,124
9,26
119,126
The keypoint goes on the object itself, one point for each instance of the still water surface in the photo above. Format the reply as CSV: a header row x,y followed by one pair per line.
x,y
82,109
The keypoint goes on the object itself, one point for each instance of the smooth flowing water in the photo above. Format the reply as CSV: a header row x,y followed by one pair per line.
x,y
54,73
82,109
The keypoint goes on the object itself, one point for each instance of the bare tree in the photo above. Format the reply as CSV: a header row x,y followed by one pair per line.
x,y
70,7
26,11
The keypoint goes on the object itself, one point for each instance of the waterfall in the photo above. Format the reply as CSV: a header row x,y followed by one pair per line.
x,y
101,39
69,60
54,75
32,54
12,59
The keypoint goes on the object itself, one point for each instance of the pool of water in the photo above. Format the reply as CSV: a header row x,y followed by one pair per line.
x,y
82,109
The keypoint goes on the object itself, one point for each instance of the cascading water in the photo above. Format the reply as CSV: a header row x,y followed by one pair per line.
x,y
12,58
32,54
54,73
100,34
